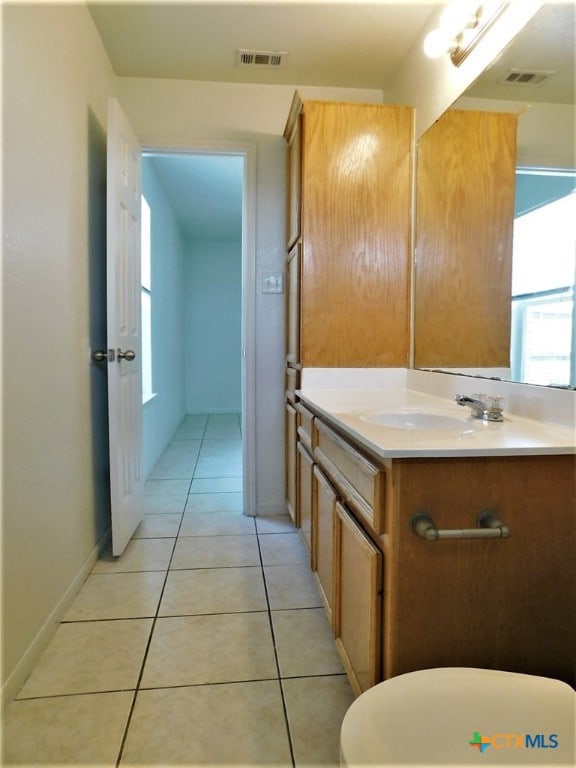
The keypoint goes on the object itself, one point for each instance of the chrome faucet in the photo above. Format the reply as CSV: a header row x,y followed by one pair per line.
x,y
486,407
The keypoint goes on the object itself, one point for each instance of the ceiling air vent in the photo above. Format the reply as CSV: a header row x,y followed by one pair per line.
x,y
270,59
526,77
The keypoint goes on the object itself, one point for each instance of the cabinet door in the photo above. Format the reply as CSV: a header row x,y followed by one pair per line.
x,y
294,183
356,195
358,614
293,305
324,515
291,476
465,202
304,473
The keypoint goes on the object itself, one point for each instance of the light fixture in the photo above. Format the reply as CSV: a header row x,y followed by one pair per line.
x,y
462,25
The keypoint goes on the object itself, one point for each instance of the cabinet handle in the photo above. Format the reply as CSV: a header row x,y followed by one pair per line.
x,y
489,526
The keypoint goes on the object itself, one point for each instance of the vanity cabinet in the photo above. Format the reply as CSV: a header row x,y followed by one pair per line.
x,y
465,189
349,204
399,603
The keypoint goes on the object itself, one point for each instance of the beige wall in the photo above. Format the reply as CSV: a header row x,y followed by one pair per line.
x,y
56,81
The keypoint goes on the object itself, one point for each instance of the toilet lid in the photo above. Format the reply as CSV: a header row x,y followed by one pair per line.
x,y
461,717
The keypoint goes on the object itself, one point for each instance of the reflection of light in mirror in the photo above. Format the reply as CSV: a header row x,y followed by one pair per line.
x,y
546,238
356,155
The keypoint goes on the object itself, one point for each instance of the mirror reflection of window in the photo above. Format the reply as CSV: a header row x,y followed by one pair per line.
x,y
544,273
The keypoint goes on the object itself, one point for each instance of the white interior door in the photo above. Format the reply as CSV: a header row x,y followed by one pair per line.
x,y
124,328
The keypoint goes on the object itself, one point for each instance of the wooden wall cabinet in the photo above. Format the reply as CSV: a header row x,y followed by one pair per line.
x,y
465,186
349,206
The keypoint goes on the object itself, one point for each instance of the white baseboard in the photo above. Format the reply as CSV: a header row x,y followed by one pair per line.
x,y
30,657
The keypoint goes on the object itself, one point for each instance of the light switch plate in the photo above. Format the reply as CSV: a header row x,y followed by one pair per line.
x,y
272,282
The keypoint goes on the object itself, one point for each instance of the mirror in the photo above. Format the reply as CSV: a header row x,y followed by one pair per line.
x,y
534,80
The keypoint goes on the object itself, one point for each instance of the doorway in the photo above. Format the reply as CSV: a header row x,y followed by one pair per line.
x,y
201,296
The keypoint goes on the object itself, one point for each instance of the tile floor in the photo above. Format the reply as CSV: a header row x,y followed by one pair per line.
x,y
204,644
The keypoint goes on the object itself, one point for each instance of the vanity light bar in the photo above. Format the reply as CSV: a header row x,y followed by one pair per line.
x,y
462,26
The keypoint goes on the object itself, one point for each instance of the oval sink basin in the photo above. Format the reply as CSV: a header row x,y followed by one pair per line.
x,y
416,420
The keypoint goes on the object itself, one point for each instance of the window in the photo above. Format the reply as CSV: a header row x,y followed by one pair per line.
x,y
146,296
544,268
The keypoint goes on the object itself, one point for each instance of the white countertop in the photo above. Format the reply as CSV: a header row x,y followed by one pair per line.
x,y
460,434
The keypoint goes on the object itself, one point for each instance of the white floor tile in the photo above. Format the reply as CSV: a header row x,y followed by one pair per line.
x,y
317,655
216,552
283,549
166,487
215,502
223,426
213,590
163,503
139,555
316,707
291,586
90,657
274,524
192,650
66,730
178,461
117,596
216,484
158,526
239,724
216,524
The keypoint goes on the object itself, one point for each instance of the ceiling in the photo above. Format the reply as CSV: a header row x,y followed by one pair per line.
x,y
340,43
331,43
204,192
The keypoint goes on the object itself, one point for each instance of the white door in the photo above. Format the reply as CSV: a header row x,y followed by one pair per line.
x,y
124,328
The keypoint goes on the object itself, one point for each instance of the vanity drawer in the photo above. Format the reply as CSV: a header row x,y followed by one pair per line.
x,y
360,483
305,425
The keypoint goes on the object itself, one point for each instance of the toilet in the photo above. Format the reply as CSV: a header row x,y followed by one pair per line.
x,y
461,717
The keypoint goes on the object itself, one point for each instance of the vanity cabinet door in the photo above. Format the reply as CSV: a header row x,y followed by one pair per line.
x,y
358,607
324,515
305,467
291,476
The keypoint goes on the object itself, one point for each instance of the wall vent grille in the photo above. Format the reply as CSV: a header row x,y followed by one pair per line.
x,y
270,59
520,77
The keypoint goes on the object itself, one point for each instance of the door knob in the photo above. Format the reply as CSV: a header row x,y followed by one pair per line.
x,y
129,355
101,355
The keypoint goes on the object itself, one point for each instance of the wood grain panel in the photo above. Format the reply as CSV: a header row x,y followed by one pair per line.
x,y
358,619
356,234
464,223
291,475
305,468
494,603
323,510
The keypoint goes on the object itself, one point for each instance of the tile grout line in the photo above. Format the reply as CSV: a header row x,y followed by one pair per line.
x,y
284,705
156,616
